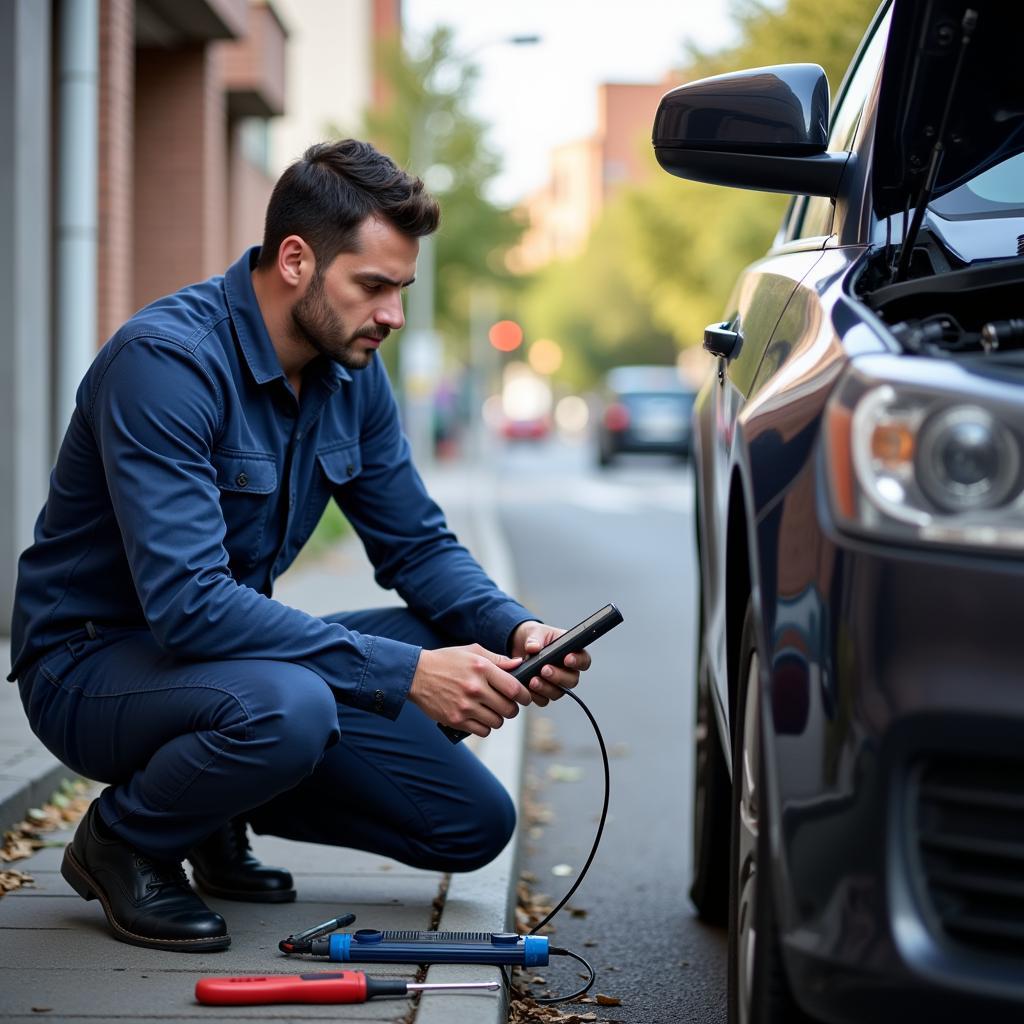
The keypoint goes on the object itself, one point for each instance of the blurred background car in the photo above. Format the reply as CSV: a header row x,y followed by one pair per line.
x,y
533,428
644,409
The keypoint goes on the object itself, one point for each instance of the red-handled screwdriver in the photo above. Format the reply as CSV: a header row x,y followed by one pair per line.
x,y
325,987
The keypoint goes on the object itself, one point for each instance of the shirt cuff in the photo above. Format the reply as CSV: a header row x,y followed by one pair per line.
x,y
387,676
501,623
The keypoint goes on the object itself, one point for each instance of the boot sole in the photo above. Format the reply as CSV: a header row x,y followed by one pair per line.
x,y
85,885
244,895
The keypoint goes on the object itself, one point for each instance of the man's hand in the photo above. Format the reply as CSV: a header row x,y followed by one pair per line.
x,y
468,688
527,640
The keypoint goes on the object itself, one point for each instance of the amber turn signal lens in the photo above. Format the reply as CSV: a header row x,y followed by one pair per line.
x,y
892,444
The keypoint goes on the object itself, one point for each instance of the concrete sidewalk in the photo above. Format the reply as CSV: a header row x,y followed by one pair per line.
x,y
59,962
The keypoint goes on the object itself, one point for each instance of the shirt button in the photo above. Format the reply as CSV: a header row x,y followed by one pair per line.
x,y
350,469
241,480
378,700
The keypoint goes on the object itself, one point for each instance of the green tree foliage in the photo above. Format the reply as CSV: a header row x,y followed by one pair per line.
x,y
428,129
593,308
667,252
793,32
687,243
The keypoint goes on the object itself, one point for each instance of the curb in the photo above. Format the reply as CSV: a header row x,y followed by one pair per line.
x,y
481,900
485,899
17,796
29,774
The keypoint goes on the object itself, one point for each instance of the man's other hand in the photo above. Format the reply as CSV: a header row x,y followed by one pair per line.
x,y
527,640
468,688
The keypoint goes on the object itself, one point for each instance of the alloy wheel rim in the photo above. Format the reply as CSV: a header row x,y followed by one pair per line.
x,y
749,818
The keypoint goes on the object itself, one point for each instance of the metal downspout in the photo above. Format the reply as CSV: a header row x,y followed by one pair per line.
x,y
77,200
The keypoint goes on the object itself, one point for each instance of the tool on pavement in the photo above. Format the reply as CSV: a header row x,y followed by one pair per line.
x,y
373,946
325,987
300,943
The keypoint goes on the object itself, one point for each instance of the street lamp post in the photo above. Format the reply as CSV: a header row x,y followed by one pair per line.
x,y
420,354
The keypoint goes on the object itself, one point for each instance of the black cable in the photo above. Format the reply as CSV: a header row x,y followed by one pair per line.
x,y
600,825
558,950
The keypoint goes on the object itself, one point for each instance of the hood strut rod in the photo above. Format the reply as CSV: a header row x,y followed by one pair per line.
x,y
968,25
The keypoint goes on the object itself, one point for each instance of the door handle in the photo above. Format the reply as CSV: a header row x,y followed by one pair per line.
x,y
721,340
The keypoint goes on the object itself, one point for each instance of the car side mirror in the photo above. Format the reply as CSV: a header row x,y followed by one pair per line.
x,y
764,129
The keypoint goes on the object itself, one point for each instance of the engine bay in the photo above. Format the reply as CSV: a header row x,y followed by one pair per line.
x,y
974,309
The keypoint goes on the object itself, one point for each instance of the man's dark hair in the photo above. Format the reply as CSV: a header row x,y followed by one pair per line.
x,y
324,197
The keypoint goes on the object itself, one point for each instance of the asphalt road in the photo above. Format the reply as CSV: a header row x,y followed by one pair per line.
x,y
580,538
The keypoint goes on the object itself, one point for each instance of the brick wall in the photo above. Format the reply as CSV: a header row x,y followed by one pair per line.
x,y
180,170
626,120
115,300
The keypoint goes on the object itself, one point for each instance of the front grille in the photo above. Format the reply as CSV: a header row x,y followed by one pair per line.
x,y
970,836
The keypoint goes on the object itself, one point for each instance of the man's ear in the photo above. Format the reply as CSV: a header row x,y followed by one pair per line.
x,y
295,262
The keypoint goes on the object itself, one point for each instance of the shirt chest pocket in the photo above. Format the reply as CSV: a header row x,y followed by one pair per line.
x,y
247,482
336,465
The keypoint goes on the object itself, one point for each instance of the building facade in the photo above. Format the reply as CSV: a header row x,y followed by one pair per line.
x,y
586,173
139,157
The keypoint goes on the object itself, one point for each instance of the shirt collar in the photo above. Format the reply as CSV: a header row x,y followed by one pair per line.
x,y
251,331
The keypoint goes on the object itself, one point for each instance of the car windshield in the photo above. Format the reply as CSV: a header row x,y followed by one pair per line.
x,y
997,192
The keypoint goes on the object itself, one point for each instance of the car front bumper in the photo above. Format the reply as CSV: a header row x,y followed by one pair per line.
x,y
896,746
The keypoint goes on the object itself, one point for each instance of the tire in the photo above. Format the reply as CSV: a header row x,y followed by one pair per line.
x,y
712,800
759,992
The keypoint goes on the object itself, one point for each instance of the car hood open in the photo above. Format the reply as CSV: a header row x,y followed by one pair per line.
x,y
986,122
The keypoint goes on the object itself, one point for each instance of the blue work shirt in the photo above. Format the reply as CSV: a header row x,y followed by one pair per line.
x,y
191,476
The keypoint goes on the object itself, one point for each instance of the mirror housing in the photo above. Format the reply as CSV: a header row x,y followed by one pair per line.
x,y
764,129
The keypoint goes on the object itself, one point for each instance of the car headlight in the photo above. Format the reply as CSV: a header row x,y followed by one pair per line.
x,y
910,461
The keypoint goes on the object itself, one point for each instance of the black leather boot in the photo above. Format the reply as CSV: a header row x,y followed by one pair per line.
x,y
223,865
147,904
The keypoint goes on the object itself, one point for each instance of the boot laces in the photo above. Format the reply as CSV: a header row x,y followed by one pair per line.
x,y
161,875
238,837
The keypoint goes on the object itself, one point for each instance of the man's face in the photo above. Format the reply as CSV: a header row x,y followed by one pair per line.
x,y
350,307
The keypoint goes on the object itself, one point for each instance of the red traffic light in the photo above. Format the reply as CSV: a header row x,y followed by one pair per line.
x,y
506,335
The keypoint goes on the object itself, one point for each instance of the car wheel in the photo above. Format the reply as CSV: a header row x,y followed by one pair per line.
x,y
758,989
711,800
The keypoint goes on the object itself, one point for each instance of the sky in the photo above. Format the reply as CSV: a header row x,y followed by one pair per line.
x,y
536,97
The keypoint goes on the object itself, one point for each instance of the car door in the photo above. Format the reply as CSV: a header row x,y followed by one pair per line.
x,y
780,290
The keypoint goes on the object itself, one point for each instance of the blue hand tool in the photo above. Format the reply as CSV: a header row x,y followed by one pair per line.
x,y
372,946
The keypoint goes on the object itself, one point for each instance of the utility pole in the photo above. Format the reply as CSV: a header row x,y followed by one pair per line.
x,y
421,352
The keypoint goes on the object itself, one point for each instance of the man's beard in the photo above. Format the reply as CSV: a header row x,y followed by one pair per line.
x,y
320,325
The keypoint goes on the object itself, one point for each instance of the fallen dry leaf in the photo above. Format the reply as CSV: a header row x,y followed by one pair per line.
x,y
18,846
67,805
528,1011
607,1000
11,880
565,773
542,736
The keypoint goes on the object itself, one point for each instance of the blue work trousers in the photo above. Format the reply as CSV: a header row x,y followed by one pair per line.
x,y
184,746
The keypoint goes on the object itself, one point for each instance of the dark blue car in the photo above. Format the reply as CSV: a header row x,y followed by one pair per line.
x,y
859,454
644,409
